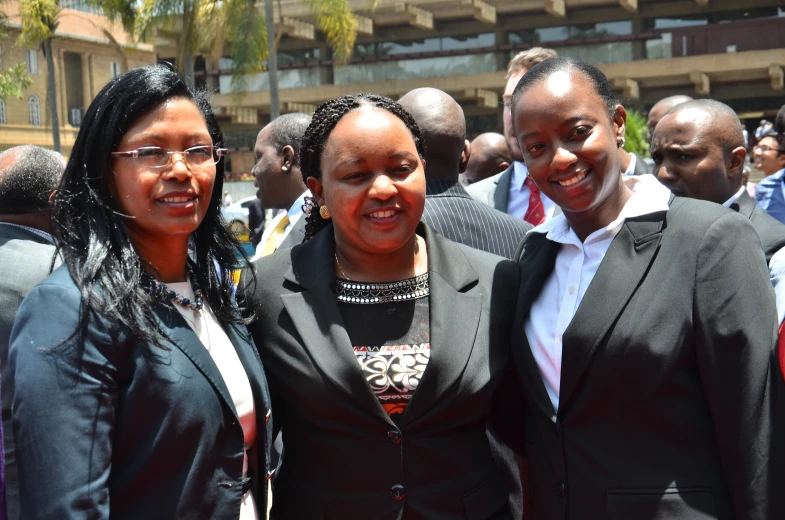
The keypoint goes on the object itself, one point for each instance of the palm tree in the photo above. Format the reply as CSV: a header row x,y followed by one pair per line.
x,y
237,25
635,134
334,18
39,23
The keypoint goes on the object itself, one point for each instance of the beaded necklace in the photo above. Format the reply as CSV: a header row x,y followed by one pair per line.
x,y
160,292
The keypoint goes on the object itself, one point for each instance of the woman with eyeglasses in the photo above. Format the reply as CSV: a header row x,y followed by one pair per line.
x,y
138,392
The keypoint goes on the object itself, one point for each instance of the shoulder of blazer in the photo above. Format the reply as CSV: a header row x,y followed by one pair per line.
x,y
483,190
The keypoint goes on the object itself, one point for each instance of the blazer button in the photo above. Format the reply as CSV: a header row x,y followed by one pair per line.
x,y
562,489
398,492
394,436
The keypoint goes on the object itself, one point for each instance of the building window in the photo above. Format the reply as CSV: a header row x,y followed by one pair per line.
x,y
35,110
2,112
32,61
116,69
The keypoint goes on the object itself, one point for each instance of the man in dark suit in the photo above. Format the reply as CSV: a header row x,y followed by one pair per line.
x,y
256,218
448,208
280,182
28,177
699,152
512,191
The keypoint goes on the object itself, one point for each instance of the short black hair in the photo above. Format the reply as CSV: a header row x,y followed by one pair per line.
x,y
779,122
324,121
721,117
289,129
29,180
602,87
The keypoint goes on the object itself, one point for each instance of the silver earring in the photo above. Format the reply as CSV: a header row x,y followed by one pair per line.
x,y
620,142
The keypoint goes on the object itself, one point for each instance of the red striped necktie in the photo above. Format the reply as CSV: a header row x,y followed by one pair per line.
x,y
535,214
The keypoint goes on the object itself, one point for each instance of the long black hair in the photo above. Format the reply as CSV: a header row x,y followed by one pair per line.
x,y
324,121
91,233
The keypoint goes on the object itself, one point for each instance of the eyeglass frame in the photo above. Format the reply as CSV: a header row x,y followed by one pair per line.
x,y
765,149
134,154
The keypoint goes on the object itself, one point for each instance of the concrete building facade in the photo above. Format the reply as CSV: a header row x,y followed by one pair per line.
x,y
729,50
89,50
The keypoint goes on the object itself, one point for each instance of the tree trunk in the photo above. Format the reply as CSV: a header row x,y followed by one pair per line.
x,y
272,60
189,18
51,93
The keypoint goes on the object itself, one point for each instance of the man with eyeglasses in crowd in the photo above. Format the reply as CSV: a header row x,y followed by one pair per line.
x,y
770,154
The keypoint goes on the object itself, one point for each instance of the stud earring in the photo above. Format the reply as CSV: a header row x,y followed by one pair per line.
x,y
324,212
620,142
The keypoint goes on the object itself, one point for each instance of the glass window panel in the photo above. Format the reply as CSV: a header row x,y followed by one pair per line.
x,y
594,54
660,48
406,69
471,42
291,78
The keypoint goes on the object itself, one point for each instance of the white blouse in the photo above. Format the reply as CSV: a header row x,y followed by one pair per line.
x,y
221,349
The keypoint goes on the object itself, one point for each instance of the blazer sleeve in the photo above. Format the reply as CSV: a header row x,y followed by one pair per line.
x,y
64,408
735,323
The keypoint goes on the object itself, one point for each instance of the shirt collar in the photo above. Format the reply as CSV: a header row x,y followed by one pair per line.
x,y
519,174
296,210
735,197
648,196
43,234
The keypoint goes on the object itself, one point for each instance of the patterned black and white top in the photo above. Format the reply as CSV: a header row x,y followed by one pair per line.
x,y
389,327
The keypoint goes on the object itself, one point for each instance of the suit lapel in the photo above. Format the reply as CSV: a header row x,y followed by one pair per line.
x,y
454,320
620,273
536,264
317,318
185,339
501,195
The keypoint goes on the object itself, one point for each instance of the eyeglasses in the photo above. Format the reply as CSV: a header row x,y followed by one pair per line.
x,y
764,149
155,157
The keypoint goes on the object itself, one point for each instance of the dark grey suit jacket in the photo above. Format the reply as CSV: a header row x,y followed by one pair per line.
x,y
110,426
667,406
25,259
770,230
453,213
295,236
343,453
493,191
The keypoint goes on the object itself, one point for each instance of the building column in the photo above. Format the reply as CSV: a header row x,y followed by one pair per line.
x,y
326,72
87,84
502,57
638,46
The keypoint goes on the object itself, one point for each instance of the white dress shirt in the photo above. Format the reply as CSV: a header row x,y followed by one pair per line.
x,y
631,167
518,201
294,213
576,265
735,197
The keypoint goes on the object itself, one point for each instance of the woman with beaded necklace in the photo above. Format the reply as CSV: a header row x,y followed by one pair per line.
x,y
384,342
138,392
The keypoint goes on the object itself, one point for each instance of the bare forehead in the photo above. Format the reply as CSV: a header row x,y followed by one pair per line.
x,y
366,126
558,94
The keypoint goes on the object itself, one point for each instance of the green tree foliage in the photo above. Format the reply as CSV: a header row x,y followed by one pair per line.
x,y
14,81
39,23
635,134
233,27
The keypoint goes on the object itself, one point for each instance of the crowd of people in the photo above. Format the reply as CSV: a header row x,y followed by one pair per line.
x,y
534,325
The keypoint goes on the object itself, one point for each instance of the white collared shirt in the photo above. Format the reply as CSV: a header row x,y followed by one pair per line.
x,y
294,212
735,197
518,201
576,265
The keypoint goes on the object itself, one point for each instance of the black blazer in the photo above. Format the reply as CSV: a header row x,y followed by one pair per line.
x,y
770,230
112,427
664,408
343,455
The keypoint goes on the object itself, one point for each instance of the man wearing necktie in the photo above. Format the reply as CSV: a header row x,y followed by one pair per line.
x,y
280,183
512,191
